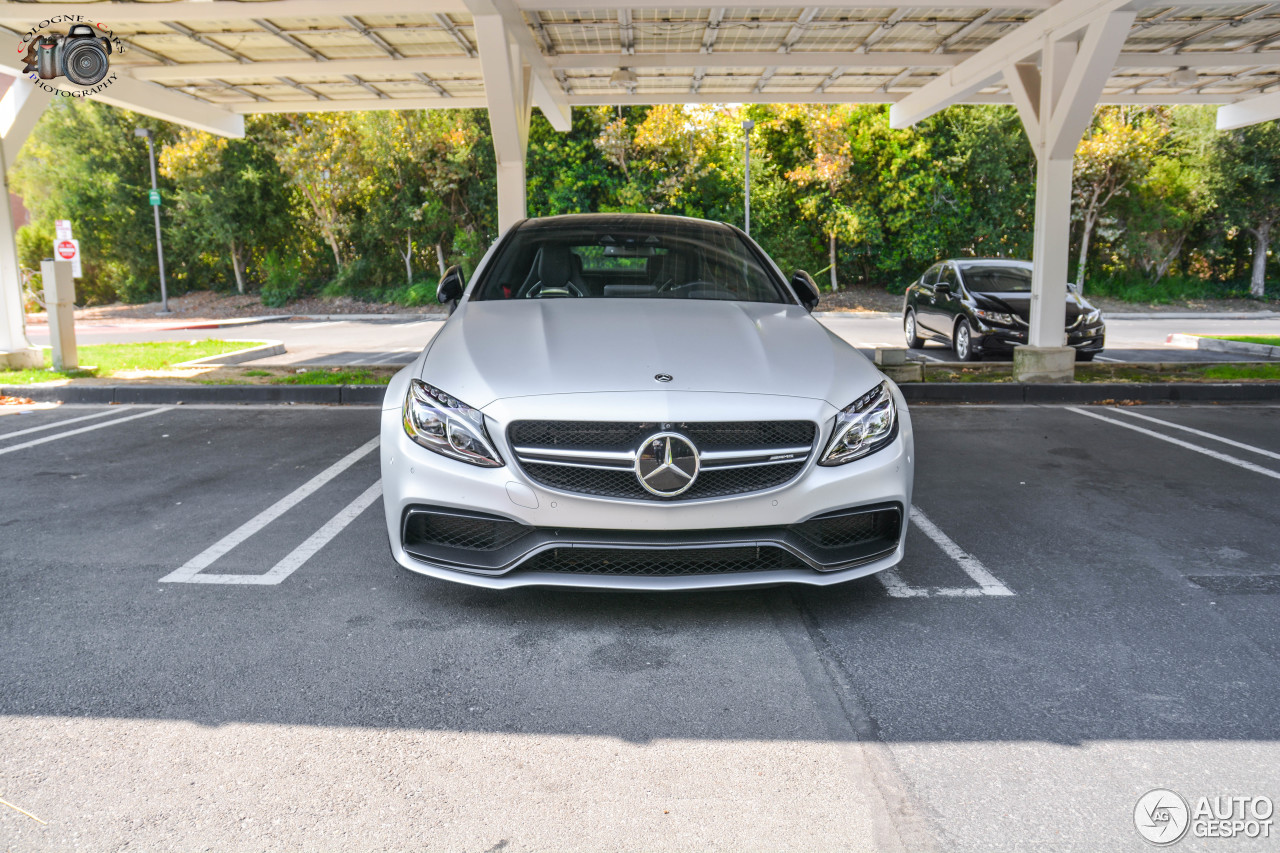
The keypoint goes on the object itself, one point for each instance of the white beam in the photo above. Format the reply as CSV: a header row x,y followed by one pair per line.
x,y
507,89
547,93
611,99
347,105
1023,81
978,71
637,5
370,69
24,15
1251,111
1090,70
20,109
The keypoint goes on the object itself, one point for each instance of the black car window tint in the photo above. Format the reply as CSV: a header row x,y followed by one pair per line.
x,y
931,275
949,277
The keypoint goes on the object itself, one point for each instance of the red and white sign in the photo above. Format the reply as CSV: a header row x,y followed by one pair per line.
x,y
62,229
69,250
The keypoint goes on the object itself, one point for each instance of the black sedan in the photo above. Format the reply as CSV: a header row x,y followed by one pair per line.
x,y
980,306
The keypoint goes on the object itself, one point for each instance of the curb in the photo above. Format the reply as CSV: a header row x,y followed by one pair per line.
x,y
1199,342
263,350
929,392
332,395
1093,392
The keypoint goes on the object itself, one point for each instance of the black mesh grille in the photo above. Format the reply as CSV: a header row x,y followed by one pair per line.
x,y
458,531
622,483
841,531
662,563
712,435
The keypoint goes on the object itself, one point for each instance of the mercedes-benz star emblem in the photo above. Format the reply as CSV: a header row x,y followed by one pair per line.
x,y
662,377
667,464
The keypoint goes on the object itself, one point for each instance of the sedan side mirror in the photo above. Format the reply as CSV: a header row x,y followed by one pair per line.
x,y
1071,287
805,289
451,286
942,288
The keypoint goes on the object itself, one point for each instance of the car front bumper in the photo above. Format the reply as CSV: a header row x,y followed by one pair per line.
x,y
550,538
994,339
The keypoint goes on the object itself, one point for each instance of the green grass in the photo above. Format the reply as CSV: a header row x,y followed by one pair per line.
x,y
1231,372
333,377
1265,340
108,359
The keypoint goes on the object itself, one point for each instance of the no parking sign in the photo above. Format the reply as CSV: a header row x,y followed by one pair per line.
x,y
69,250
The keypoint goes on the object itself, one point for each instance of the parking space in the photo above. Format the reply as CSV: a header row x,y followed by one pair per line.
x,y
207,643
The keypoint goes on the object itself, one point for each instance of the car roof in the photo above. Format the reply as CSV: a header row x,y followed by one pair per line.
x,y
606,221
990,262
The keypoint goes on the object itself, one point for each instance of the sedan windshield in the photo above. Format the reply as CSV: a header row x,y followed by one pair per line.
x,y
628,259
997,279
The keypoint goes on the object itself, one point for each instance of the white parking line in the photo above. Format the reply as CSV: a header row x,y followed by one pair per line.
x,y
319,325
987,584
1200,433
1222,457
1110,360
70,433
112,411
188,573
303,552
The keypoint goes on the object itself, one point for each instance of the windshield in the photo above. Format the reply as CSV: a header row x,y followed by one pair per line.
x,y
997,279
632,259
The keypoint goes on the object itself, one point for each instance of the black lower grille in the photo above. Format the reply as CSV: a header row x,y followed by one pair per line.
x,y
662,563
843,529
467,532
622,482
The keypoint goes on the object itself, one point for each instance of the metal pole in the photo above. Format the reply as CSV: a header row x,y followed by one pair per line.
x,y
164,292
746,176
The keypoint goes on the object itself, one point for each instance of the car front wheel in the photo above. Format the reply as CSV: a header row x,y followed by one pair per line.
x,y
962,342
909,331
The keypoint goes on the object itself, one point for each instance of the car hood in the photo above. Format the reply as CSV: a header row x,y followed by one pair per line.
x,y
495,350
1020,304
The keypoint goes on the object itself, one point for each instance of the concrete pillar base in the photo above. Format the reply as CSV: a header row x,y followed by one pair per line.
x,y
1044,364
21,359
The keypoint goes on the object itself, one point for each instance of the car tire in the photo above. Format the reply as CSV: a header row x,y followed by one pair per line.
x,y
1085,356
914,341
962,342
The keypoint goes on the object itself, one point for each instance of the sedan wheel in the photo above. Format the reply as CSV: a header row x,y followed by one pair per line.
x,y
963,342
909,331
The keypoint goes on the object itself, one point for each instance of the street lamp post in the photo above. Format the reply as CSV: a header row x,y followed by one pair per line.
x,y
747,125
155,207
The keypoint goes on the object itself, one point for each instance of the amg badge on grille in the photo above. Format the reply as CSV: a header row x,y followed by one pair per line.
x,y
667,464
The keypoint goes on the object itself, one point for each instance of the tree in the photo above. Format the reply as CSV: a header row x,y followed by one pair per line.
x,y
1246,180
1118,148
228,193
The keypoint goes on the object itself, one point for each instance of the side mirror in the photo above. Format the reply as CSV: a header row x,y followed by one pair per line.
x,y
942,288
1071,287
450,288
805,289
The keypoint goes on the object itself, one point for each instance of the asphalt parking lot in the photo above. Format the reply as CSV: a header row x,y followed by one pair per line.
x,y
1089,609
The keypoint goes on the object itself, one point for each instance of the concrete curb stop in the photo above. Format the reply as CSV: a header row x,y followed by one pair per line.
x,y
263,350
1199,342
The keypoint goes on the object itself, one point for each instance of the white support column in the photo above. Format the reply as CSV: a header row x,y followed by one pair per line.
x,y
20,108
508,91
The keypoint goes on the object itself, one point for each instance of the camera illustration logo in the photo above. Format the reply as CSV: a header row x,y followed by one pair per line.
x,y
83,55
1162,817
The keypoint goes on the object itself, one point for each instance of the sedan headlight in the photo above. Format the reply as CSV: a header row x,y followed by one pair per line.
x,y
448,426
995,316
864,426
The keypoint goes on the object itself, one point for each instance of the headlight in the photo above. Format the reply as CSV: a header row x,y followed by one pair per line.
x,y
865,426
449,427
1093,318
995,317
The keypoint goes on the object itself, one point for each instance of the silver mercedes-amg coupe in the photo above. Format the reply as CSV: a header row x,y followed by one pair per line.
x,y
641,402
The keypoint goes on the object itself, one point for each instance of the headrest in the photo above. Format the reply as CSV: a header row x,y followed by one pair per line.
x,y
555,269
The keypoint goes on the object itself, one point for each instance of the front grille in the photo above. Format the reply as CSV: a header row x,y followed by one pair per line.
x,y
573,467
841,530
468,532
682,562
709,435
